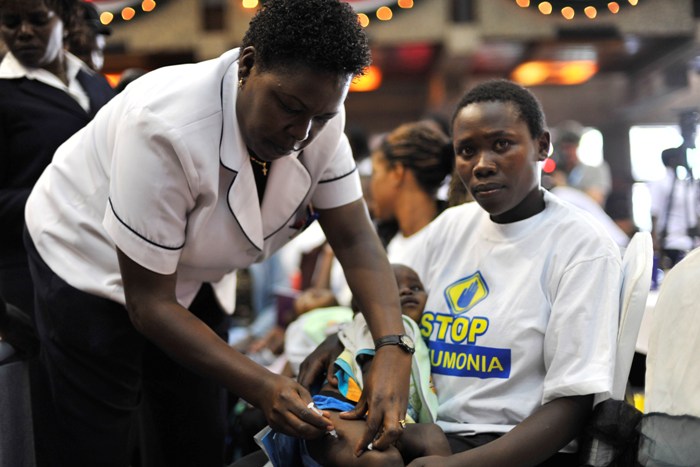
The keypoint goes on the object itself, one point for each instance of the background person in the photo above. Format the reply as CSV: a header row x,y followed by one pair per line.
x,y
408,167
675,200
46,95
88,39
193,171
595,181
581,200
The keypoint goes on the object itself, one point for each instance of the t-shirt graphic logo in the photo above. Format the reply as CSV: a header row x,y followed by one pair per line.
x,y
463,295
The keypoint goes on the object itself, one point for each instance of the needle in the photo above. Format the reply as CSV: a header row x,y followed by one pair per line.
x,y
311,406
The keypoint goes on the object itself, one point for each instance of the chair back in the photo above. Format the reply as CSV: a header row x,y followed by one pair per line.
x,y
670,428
637,264
672,381
611,431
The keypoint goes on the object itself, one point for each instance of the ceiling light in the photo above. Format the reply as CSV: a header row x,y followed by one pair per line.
x,y
370,81
539,72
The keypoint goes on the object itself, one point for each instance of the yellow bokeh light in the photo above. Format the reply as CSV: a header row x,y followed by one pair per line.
x,y
364,19
106,17
128,13
523,3
568,12
633,2
113,78
545,8
548,72
249,3
591,12
148,5
577,72
530,73
405,3
370,81
614,7
384,13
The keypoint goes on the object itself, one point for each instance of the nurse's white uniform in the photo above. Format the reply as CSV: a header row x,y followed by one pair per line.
x,y
163,174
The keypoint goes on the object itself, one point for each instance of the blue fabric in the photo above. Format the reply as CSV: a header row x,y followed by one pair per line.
x,y
331,403
287,451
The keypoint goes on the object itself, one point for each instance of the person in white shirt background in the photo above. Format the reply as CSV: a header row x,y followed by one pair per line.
x,y
675,199
594,180
408,168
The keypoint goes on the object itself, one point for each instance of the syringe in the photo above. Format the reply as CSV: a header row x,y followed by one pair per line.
x,y
316,410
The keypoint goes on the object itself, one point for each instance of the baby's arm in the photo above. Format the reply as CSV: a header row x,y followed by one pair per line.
x,y
330,452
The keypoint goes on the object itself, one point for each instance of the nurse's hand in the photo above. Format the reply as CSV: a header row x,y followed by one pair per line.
x,y
384,399
319,365
285,404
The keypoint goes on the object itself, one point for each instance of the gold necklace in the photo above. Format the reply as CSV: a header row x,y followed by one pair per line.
x,y
262,164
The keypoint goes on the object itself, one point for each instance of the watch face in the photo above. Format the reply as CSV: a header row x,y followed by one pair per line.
x,y
407,341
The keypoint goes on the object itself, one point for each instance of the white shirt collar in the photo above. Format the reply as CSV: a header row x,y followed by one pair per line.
x,y
11,68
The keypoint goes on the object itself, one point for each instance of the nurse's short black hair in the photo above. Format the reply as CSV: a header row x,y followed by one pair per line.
x,y
501,90
324,35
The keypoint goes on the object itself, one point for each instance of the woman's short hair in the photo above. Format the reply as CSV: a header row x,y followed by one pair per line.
x,y
424,149
324,35
501,90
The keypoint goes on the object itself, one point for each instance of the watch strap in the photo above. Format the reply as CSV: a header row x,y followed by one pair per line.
x,y
394,339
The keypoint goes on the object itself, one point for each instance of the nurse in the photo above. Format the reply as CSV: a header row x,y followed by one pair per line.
x,y
194,171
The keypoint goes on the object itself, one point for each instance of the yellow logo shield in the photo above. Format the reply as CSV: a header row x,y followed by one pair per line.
x,y
464,294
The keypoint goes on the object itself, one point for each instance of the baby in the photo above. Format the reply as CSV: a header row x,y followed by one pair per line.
x,y
337,449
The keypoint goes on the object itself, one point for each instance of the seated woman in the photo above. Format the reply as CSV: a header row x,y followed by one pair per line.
x,y
343,390
523,295
408,168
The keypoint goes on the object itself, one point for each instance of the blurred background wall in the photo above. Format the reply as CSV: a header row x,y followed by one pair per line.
x,y
626,67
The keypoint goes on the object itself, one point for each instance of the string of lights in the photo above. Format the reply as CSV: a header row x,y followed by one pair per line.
x,y
367,10
124,10
569,9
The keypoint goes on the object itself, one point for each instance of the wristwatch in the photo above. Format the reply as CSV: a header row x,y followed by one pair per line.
x,y
403,341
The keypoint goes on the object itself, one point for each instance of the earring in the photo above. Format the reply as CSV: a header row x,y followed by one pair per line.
x,y
240,83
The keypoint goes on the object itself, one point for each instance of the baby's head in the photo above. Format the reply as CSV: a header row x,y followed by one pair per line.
x,y
412,294
411,291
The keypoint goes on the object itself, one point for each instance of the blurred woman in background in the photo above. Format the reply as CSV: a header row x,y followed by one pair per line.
x,y
46,95
407,170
